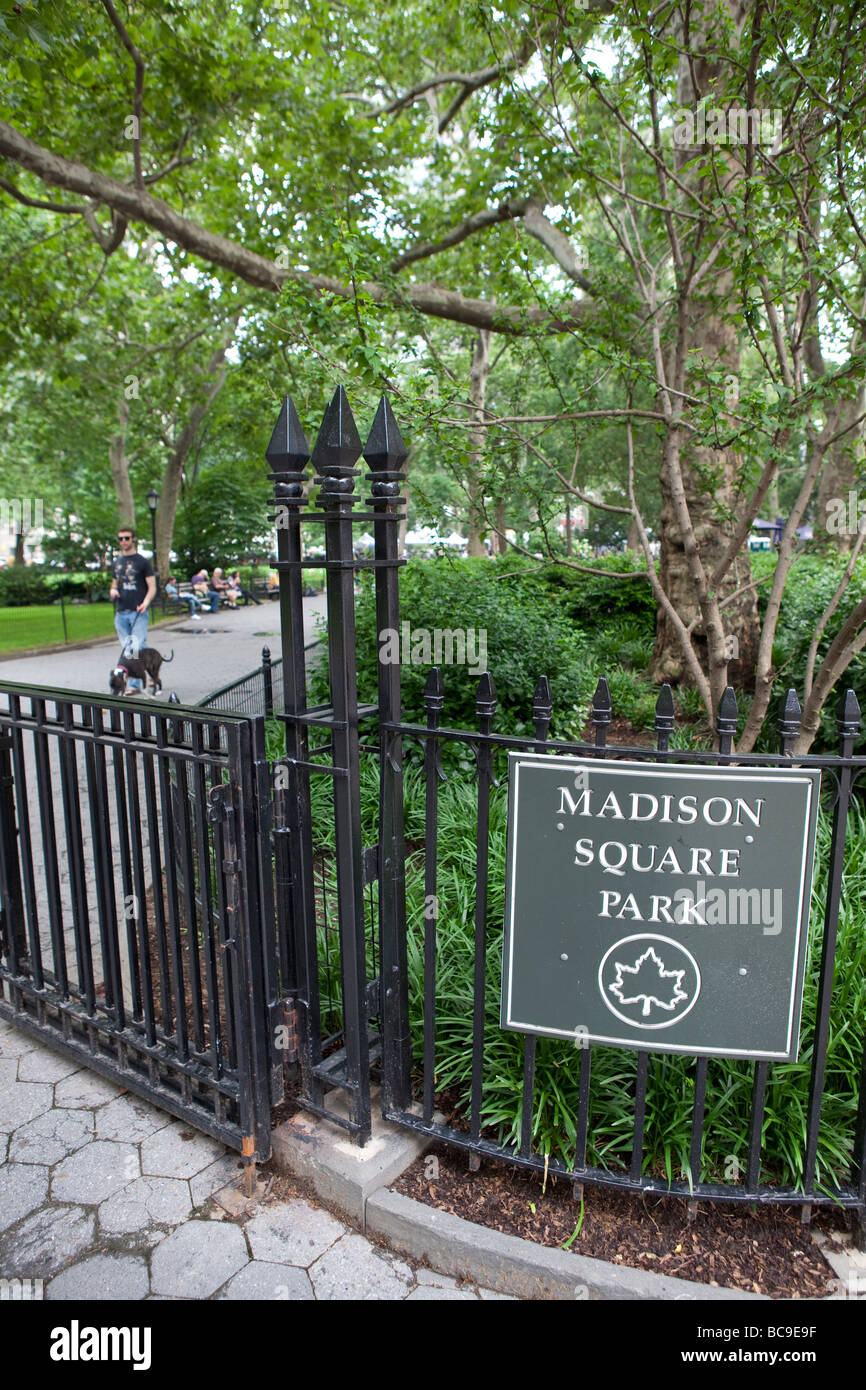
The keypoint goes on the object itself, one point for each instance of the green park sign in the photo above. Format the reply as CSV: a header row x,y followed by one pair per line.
x,y
658,907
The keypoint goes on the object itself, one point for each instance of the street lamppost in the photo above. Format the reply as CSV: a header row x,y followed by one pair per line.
x,y
152,501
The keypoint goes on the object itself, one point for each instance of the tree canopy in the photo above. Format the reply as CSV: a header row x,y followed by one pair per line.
x,y
610,253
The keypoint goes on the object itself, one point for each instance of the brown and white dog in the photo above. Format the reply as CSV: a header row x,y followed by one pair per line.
x,y
145,664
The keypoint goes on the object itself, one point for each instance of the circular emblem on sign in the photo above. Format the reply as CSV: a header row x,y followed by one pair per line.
x,y
649,981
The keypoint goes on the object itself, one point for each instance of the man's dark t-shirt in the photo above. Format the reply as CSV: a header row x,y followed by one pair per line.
x,y
130,573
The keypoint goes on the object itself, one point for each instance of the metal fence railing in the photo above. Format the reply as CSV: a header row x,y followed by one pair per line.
x,y
136,930
259,692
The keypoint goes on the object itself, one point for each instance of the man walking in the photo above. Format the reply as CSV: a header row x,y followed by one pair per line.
x,y
134,588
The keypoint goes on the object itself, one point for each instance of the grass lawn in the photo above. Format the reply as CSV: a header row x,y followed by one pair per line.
x,y
42,626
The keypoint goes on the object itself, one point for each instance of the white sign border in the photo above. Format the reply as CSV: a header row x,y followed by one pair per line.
x,y
517,760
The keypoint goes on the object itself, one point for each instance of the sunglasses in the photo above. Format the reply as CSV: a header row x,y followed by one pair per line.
x,y
124,538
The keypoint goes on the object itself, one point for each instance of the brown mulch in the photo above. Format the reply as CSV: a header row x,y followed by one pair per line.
x,y
621,731
755,1249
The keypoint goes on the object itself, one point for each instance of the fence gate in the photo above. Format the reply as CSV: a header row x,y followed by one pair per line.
x,y
136,914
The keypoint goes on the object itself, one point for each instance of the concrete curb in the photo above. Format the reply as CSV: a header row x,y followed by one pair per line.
x,y
515,1266
344,1176
355,1182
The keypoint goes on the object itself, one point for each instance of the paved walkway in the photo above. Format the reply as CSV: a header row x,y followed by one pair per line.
x,y
104,1197
222,647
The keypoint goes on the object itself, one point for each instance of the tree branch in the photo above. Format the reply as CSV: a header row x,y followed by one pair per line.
x,y
828,613
138,95
469,82
139,205
514,207
39,202
110,240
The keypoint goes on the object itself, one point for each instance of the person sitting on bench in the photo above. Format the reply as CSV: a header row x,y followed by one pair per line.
x,y
247,595
171,588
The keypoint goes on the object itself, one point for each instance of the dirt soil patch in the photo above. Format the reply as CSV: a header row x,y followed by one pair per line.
x,y
755,1249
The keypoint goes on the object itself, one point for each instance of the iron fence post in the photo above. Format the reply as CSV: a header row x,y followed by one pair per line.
x,y
288,455
385,454
268,681
338,447
847,729
13,939
248,942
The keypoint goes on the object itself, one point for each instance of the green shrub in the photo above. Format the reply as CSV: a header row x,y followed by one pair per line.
x,y
21,585
594,600
527,636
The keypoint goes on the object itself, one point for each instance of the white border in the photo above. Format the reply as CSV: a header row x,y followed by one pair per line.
x,y
519,760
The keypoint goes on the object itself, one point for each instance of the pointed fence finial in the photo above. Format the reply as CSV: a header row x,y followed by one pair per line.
x,y
601,703
601,712
848,716
385,451
485,699
338,444
665,710
542,703
434,696
790,715
288,451
726,720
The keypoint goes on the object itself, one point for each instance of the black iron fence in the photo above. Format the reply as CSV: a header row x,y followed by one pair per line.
x,y
840,1178
259,692
184,916
391,1008
135,904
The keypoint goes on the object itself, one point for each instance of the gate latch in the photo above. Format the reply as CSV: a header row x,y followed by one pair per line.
x,y
220,799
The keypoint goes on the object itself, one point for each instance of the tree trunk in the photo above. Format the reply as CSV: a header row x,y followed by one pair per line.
x,y
478,374
170,494
404,519
18,555
710,345
839,480
120,466
500,543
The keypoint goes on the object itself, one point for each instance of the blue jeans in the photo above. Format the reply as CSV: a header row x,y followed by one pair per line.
x,y
131,628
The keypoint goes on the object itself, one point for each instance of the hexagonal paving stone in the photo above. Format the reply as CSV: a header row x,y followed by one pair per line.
x,y
351,1269
93,1173
46,1242
213,1177
43,1065
52,1136
8,1072
84,1090
130,1119
146,1202
23,1102
102,1277
260,1281
177,1152
292,1233
14,1043
22,1189
196,1259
